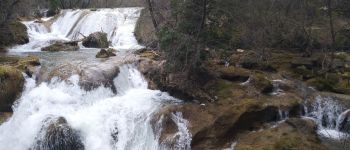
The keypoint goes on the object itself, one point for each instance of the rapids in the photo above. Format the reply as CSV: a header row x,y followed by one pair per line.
x,y
99,116
118,23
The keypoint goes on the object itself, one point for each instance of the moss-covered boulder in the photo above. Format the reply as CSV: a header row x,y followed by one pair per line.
x,y
11,86
234,74
96,40
261,83
61,46
293,134
13,33
103,53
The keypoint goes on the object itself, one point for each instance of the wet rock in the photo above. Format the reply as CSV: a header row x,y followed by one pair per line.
x,y
213,125
105,53
62,46
294,133
4,116
344,124
58,135
13,33
96,40
89,77
11,86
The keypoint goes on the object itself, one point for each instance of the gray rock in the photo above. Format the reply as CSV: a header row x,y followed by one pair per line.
x,y
58,135
96,40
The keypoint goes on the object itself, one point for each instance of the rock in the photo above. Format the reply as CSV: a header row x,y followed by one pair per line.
x,y
62,46
260,82
234,74
58,135
145,32
52,12
96,40
4,116
105,53
13,33
11,86
212,125
90,77
344,124
298,134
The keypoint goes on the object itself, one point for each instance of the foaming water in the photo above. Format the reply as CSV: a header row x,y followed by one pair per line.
x,y
328,115
118,23
103,120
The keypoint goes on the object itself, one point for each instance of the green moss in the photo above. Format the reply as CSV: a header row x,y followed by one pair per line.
x,y
11,85
289,143
304,72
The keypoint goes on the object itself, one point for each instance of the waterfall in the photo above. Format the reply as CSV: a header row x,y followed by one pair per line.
x,y
118,23
328,114
101,119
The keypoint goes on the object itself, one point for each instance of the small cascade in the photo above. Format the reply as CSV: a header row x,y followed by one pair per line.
x,y
97,119
328,115
118,23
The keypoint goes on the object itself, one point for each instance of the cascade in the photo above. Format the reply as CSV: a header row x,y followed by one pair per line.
x,y
99,119
118,23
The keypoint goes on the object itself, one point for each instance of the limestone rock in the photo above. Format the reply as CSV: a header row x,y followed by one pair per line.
x,y
62,46
96,40
11,85
103,53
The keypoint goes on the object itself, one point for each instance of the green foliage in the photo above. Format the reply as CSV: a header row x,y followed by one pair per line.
x,y
178,49
182,39
54,4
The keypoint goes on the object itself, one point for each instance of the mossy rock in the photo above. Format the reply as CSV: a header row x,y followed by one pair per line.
x,y
261,82
293,134
233,73
11,85
61,46
96,40
105,53
13,33
303,72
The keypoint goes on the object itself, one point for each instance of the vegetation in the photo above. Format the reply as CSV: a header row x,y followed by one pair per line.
x,y
196,27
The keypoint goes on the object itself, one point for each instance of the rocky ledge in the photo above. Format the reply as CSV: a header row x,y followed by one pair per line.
x,y
233,99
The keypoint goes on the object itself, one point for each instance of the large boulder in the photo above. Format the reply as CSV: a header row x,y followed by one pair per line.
x,y
13,33
62,46
58,135
145,32
11,86
96,40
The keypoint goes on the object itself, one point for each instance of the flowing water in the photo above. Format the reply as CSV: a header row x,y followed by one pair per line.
x,y
118,23
56,113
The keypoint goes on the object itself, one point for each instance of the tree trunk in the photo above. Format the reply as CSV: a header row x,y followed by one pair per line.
x,y
151,11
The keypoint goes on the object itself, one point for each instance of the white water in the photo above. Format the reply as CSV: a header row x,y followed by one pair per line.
x,y
96,114
118,23
328,114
